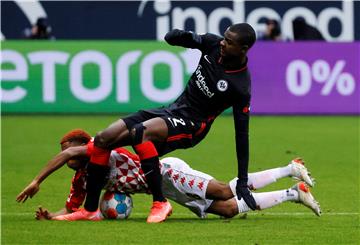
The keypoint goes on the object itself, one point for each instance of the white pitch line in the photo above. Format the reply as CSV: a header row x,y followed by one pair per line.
x,y
189,214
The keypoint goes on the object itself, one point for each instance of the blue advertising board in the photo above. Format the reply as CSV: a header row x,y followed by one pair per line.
x,y
336,20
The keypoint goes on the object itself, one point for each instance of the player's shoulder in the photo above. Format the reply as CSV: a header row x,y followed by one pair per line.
x,y
210,40
211,36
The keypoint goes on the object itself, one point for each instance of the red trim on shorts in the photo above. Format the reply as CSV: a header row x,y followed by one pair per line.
x,y
179,137
233,71
100,156
201,129
146,150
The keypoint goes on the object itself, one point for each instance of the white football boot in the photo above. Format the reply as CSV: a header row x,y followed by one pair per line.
x,y
306,198
300,172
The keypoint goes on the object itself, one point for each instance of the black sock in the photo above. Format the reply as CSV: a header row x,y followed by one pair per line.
x,y
153,176
96,176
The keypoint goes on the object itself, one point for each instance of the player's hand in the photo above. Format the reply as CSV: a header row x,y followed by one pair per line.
x,y
29,191
243,191
42,214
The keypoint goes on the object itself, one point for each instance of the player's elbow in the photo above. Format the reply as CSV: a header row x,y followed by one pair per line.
x,y
171,36
68,153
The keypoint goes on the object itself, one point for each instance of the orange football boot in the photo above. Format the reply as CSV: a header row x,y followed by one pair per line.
x,y
159,212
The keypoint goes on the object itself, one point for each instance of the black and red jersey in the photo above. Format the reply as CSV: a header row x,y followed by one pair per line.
x,y
212,89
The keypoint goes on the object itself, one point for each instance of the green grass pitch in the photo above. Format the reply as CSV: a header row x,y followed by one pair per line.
x,y
330,146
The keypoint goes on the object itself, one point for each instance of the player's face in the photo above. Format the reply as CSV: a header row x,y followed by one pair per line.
x,y
229,46
73,163
76,164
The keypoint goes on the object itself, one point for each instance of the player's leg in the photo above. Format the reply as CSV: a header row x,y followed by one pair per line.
x,y
299,193
233,206
217,190
227,209
143,137
181,177
116,134
168,133
295,169
185,185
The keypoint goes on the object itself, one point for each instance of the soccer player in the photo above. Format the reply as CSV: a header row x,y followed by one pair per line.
x,y
221,80
195,190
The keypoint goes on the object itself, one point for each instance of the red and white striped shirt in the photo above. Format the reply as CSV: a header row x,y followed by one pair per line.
x,y
125,175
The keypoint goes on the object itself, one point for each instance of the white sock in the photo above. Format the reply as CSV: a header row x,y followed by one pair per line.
x,y
281,172
261,179
269,199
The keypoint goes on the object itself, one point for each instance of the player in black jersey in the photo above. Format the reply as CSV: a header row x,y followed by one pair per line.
x,y
220,81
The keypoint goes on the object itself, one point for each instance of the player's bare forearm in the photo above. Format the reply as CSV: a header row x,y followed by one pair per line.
x,y
31,189
54,164
58,161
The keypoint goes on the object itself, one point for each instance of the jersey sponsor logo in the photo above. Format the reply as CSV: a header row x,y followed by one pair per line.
x,y
210,20
201,83
222,85
207,59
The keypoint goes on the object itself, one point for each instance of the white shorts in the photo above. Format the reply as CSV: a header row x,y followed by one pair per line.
x,y
185,185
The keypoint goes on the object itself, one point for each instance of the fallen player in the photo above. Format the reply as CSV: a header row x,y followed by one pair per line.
x,y
197,191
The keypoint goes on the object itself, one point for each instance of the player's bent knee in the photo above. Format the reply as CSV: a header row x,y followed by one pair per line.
x,y
101,140
137,133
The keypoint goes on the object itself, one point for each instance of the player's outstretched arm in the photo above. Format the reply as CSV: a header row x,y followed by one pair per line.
x,y
241,122
58,161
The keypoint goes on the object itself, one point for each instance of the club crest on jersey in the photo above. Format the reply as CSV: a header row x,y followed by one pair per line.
x,y
222,85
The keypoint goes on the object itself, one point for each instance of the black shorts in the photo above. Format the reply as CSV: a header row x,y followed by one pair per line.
x,y
182,132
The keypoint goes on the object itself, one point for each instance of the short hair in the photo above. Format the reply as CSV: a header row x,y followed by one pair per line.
x,y
76,135
246,34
